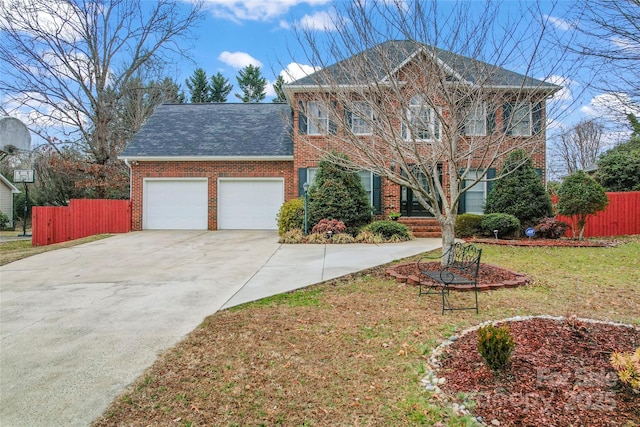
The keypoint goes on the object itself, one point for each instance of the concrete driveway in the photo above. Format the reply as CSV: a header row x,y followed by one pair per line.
x,y
78,325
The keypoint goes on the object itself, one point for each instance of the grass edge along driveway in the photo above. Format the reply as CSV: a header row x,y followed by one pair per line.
x,y
352,351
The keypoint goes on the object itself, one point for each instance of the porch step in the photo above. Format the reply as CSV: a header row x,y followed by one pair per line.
x,y
422,227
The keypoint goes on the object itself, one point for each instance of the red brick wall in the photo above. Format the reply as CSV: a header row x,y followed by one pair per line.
x,y
206,169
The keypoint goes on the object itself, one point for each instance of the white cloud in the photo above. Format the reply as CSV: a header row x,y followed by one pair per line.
x,y
563,94
52,17
321,21
295,71
559,23
612,106
255,10
238,59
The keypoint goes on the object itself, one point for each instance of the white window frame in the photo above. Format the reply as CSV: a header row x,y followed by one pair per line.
x,y
317,118
476,120
521,121
419,108
479,187
311,176
361,118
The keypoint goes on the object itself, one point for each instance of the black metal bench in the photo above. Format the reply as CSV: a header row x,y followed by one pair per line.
x,y
459,266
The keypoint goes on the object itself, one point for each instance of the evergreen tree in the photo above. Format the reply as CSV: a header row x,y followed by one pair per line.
x,y
277,86
580,196
198,86
619,167
519,191
252,84
219,89
337,193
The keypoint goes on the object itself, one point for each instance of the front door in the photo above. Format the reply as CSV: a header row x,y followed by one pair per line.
x,y
409,204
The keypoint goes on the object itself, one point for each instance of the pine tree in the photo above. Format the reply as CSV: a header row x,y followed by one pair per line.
x,y
219,89
519,191
277,86
198,86
252,84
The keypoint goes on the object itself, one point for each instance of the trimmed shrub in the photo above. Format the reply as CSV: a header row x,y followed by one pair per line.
x,y
495,346
327,225
468,225
581,196
551,228
507,225
291,216
388,229
4,221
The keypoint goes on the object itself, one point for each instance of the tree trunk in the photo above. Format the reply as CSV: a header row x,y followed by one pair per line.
x,y
448,235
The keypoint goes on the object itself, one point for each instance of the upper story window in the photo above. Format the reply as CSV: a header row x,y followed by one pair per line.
x,y
359,118
475,123
522,118
366,178
314,118
318,114
424,124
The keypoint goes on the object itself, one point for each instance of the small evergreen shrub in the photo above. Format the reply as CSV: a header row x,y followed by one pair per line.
x,y
326,225
291,216
627,365
551,228
507,225
468,225
387,229
495,346
4,221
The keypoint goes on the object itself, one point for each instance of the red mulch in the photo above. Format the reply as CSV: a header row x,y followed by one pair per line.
x,y
559,375
544,242
487,274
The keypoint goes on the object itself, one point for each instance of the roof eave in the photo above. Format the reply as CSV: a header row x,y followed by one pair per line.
x,y
205,158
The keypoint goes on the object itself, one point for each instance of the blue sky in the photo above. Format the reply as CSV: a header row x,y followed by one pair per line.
x,y
236,33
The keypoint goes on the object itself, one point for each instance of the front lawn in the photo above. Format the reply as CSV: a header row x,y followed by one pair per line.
x,y
352,352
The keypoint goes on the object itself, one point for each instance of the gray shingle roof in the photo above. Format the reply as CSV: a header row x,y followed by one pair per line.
x,y
214,130
391,55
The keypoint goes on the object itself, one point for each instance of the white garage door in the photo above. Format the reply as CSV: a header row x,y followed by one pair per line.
x,y
175,204
249,204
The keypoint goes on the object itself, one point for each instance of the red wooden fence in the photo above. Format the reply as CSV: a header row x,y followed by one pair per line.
x,y
620,218
83,217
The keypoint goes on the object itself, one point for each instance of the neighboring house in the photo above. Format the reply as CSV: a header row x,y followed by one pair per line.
x,y
231,166
7,190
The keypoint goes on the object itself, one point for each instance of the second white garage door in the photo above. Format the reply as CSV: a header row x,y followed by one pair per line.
x,y
249,204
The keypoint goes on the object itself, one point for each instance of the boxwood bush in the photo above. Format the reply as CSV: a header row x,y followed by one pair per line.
x,y
468,225
291,216
388,229
507,225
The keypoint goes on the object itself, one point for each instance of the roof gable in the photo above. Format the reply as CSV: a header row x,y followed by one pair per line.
x,y
394,54
8,184
214,130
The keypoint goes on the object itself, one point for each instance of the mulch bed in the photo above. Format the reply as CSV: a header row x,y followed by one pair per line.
x,y
489,276
559,375
545,242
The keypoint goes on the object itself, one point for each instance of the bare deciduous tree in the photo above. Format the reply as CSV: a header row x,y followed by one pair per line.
x,y
69,62
438,121
580,146
612,30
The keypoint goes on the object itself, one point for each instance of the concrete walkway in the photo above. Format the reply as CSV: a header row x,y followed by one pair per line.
x,y
78,325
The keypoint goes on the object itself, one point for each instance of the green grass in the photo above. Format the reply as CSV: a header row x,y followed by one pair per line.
x,y
19,249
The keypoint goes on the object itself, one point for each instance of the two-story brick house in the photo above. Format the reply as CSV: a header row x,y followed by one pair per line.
x,y
220,166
